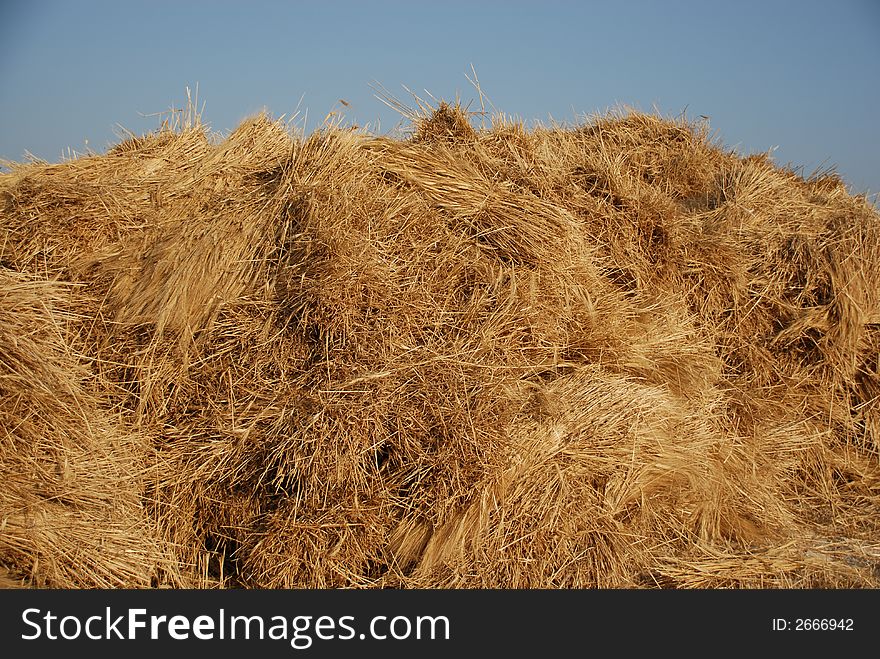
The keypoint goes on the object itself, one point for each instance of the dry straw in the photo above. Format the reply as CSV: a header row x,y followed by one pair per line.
x,y
609,355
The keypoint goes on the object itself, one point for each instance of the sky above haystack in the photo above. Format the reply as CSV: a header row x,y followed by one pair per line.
x,y
797,78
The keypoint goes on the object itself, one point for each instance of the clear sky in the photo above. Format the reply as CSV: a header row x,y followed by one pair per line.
x,y
798,77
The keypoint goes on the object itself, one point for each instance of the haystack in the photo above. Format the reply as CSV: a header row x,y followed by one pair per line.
x,y
608,355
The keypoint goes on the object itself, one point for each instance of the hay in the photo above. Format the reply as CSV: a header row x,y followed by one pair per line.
x,y
613,355
71,506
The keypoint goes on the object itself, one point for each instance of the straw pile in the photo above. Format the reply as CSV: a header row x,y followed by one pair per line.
x,y
609,355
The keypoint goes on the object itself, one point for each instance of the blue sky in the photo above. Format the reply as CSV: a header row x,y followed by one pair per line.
x,y
797,77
